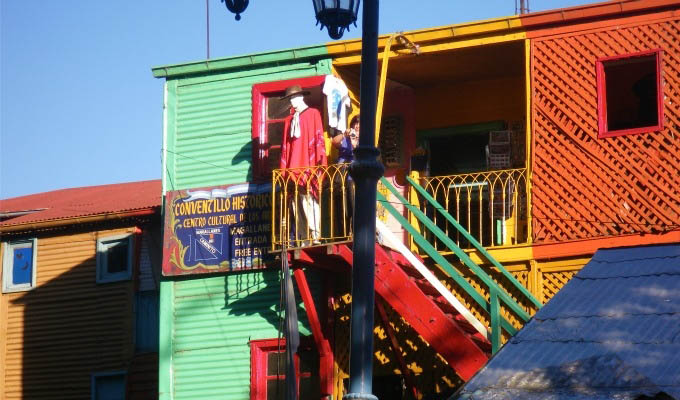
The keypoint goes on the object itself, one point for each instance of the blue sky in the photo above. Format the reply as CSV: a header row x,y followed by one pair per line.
x,y
78,103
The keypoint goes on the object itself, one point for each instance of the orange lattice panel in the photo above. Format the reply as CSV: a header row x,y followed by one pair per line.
x,y
585,186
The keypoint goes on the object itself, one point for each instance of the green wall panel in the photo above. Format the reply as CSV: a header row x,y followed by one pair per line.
x,y
206,323
208,125
210,324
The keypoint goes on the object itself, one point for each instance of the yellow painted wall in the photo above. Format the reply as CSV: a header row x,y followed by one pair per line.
x,y
470,102
54,336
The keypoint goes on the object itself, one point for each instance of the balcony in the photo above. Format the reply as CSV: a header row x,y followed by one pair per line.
x,y
491,206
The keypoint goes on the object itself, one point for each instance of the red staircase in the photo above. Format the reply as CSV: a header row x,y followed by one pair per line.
x,y
401,286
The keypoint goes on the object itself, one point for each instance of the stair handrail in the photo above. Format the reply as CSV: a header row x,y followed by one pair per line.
x,y
483,276
430,277
475,243
446,266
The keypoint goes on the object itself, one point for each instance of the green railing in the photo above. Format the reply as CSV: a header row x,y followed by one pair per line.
x,y
498,297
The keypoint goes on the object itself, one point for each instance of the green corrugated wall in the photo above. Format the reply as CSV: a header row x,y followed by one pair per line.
x,y
209,325
206,323
209,121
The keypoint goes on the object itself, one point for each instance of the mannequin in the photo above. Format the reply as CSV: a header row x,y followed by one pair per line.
x,y
303,146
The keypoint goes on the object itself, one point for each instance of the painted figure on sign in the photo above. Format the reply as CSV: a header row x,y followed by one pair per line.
x,y
303,146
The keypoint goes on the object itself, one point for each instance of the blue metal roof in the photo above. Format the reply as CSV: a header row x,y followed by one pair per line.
x,y
612,332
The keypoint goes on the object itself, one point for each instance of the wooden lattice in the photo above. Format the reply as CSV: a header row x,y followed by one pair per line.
x,y
585,187
554,281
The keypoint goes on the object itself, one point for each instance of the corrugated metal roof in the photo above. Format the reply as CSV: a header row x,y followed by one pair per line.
x,y
613,332
82,202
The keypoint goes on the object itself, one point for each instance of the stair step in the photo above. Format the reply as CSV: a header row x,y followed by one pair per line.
x,y
425,287
471,332
410,271
400,260
414,298
462,322
482,342
446,306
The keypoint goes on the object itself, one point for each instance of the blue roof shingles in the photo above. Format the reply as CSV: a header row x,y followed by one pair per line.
x,y
612,332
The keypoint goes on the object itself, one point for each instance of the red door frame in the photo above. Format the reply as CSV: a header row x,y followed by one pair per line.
x,y
259,136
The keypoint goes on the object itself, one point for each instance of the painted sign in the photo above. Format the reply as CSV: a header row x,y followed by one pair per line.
x,y
217,229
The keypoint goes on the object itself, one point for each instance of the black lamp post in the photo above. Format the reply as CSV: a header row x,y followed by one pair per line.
x,y
365,171
337,15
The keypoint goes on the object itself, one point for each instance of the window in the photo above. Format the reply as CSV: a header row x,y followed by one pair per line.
x,y
19,265
269,113
114,258
146,321
268,368
630,94
108,385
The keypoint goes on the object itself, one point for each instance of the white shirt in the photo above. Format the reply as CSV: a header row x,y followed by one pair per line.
x,y
337,98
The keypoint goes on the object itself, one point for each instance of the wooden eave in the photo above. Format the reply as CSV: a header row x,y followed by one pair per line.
x,y
72,221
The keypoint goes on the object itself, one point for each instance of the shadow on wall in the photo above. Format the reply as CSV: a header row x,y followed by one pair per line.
x,y
245,155
69,328
259,293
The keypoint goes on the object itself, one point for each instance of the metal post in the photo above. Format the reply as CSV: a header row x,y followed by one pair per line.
x,y
365,171
207,29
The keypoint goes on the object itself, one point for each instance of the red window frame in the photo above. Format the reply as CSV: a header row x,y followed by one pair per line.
x,y
603,130
259,349
261,92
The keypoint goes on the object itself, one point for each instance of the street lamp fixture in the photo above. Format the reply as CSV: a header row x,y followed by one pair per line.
x,y
236,6
336,15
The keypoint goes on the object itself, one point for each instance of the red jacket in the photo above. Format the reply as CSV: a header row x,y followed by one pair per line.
x,y
306,151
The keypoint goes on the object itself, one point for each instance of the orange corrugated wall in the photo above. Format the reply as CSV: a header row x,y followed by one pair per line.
x,y
585,187
56,335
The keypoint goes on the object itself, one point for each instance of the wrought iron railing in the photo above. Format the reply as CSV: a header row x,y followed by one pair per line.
x,y
311,206
491,206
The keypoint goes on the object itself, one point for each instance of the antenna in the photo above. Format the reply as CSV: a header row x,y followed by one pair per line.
x,y
523,7
207,29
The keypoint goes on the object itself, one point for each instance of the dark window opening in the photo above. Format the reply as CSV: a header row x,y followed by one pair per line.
x,y
630,100
458,154
117,257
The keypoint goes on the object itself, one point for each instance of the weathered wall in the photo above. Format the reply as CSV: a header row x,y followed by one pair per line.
x,y
585,187
68,327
